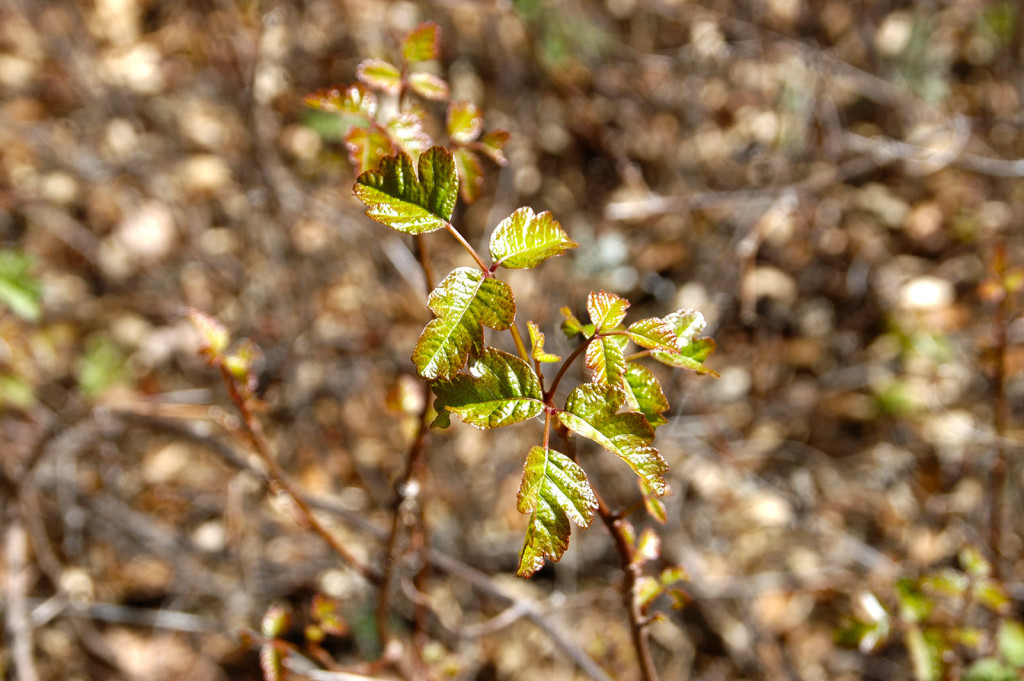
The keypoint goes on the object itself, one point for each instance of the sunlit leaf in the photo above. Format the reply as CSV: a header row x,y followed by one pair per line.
x,y
464,302
654,506
354,99
471,174
493,144
1010,641
499,390
380,75
914,606
525,239
537,344
572,326
554,491
326,612
271,663
407,132
421,43
990,669
647,393
605,360
990,594
464,122
673,574
395,196
690,352
607,310
429,86
592,411
653,334
213,335
102,365
648,547
947,582
367,147
275,622
645,590
19,290
974,563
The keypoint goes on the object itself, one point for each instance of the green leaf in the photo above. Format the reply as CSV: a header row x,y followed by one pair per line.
x,y
554,491
464,122
525,240
275,622
653,334
429,86
464,302
499,390
102,365
690,351
648,547
990,594
645,590
914,605
990,669
537,344
607,310
947,582
396,197
591,410
647,393
493,144
380,75
573,327
213,335
19,290
406,130
655,507
421,43
366,147
471,174
272,663
1011,642
605,360
354,99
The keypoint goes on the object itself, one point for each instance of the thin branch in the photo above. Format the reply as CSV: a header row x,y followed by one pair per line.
x,y
254,433
18,621
469,247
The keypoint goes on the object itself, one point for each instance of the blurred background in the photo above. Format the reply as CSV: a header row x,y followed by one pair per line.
x,y
830,183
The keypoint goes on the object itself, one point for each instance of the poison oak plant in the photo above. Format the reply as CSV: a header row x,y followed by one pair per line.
x,y
408,183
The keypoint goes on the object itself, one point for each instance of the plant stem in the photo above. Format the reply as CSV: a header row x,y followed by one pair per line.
x,y
465,244
997,477
254,433
630,570
520,346
561,370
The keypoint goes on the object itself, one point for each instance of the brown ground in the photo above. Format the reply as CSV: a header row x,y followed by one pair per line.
x,y
825,185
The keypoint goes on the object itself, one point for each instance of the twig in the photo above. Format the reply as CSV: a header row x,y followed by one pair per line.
x,y
254,433
18,621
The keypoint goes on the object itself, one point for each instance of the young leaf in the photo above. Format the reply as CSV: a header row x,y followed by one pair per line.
x,y
554,491
463,302
407,131
653,334
380,75
464,122
429,86
573,327
493,144
524,240
354,99
648,547
499,390
272,663
537,344
366,147
592,411
214,335
421,43
690,351
19,290
647,393
471,174
605,359
655,507
607,310
396,197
